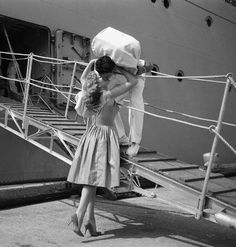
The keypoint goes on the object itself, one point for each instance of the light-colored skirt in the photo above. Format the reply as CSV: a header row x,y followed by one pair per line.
x,y
97,158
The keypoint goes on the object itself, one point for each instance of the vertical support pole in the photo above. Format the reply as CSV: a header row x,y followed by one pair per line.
x,y
6,118
26,127
27,86
51,142
201,201
70,90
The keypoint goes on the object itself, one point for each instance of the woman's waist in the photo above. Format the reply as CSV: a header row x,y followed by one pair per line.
x,y
104,122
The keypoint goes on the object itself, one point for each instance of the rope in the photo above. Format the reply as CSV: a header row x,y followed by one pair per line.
x,y
167,118
131,177
213,129
186,115
50,62
50,84
14,53
11,59
211,12
160,75
50,89
11,79
14,59
60,60
41,87
191,78
232,81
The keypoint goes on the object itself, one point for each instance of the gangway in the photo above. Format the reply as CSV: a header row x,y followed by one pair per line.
x,y
43,127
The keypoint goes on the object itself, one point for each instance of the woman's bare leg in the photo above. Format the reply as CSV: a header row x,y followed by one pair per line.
x,y
90,210
86,196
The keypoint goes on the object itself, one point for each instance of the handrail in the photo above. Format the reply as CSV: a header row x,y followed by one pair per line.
x,y
216,131
201,201
70,90
27,80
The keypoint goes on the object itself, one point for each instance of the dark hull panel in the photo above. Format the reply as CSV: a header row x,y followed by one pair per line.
x,y
21,161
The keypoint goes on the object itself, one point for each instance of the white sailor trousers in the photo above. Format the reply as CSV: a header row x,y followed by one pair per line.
x,y
135,117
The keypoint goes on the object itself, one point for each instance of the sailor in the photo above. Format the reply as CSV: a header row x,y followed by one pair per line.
x,y
135,95
125,51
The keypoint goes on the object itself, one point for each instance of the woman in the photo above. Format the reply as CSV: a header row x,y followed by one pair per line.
x,y
97,158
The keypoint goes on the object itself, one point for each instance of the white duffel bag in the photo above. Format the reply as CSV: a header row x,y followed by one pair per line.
x,y
123,49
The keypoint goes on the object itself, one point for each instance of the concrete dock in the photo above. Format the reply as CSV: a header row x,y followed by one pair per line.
x,y
137,221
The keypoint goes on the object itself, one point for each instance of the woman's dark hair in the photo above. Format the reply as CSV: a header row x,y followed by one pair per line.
x,y
104,65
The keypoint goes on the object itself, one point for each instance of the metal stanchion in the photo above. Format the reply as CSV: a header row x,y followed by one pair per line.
x,y
201,202
70,90
27,86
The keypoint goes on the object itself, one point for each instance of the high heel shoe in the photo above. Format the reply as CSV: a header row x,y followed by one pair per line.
x,y
89,227
74,220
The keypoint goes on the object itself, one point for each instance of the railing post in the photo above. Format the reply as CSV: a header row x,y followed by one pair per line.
x,y
27,86
201,201
70,90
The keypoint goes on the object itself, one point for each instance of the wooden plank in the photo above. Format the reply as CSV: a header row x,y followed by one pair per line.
x,y
150,157
225,182
197,174
157,165
68,123
228,197
224,190
182,175
36,111
75,132
48,119
175,169
143,150
212,187
71,128
22,107
193,179
14,104
42,114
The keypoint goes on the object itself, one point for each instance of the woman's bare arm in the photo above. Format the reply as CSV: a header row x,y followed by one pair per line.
x,y
123,88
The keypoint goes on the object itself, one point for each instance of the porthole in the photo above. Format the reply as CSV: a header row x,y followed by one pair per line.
x,y
179,73
155,68
209,21
166,3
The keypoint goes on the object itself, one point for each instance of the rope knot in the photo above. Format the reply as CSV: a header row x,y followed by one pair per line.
x,y
212,128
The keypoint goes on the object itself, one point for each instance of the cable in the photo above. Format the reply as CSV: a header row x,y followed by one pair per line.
x,y
167,118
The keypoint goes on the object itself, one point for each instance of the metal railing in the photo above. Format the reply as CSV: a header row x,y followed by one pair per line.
x,y
28,81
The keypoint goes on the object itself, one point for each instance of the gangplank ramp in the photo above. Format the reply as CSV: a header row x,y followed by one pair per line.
x,y
185,180
43,127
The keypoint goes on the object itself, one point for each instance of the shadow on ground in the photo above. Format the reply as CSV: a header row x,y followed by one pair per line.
x,y
138,221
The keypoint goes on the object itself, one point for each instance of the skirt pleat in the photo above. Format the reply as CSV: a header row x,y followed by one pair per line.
x,y
97,158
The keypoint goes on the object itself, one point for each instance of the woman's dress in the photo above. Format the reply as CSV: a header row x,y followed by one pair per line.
x,y
97,158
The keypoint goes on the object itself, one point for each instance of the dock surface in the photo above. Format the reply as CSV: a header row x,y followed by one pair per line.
x,y
137,221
